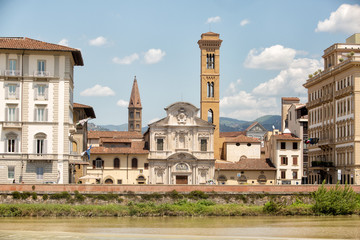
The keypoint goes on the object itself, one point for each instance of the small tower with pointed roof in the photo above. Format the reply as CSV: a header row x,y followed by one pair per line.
x,y
135,109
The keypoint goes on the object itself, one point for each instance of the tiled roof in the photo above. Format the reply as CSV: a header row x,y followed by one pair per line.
x,y
286,137
136,148
114,134
246,164
252,125
231,134
115,140
23,43
88,109
290,99
242,138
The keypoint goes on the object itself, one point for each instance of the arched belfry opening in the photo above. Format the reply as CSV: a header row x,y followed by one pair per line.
x,y
210,116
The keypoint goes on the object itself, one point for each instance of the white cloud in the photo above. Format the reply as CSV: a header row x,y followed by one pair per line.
x,y
265,98
274,57
126,60
64,42
99,41
98,91
213,19
122,103
289,81
244,22
345,19
154,56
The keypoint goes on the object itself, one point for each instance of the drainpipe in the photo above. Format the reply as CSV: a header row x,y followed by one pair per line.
x,y
22,113
127,168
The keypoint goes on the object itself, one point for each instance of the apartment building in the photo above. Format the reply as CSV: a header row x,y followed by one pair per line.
x,y
285,152
36,110
334,115
297,123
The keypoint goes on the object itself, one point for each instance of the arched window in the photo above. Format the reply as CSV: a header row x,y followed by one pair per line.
x,y
116,163
40,143
11,142
212,89
109,181
134,163
210,116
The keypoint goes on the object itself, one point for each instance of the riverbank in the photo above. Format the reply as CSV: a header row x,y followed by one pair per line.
x,y
338,200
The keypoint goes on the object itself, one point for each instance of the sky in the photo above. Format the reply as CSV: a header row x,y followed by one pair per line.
x,y
269,47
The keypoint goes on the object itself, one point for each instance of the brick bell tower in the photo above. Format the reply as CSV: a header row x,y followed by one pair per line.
x,y
135,109
209,45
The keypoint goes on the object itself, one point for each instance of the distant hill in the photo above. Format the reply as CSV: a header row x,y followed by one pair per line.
x,y
226,124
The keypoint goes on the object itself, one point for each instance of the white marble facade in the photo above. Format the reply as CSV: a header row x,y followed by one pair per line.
x,y
181,147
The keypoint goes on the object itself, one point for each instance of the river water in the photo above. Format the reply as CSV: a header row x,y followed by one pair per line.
x,y
182,228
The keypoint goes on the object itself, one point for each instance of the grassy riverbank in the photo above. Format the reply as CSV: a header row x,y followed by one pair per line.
x,y
335,201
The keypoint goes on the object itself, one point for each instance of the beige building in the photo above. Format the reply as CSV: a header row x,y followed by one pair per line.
x,y
285,151
334,115
82,114
181,147
243,163
36,110
117,158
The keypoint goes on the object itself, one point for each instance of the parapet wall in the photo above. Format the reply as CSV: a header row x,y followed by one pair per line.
x,y
244,189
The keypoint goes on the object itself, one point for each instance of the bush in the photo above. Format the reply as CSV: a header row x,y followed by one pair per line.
x,y
271,207
174,194
79,197
45,197
196,195
62,195
16,195
34,195
335,201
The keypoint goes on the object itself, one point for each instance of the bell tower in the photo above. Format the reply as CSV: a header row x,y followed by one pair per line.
x,y
209,45
135,109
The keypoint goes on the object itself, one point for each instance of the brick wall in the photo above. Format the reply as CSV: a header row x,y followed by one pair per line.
x,y
50,188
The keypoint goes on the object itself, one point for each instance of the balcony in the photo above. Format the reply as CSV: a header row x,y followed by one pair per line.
x,y
344,92
327,97
41,74
12,73
9,124
322,164
41,157
313,103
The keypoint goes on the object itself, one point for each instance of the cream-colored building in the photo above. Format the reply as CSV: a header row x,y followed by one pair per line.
x,y
334,115
243,164
181,147
36,110
117,158
285,151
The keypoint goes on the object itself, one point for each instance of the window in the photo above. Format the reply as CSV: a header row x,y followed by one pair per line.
x,y
40,114
160,144
137,114
41,92
284,161
12,91
283,174
12,65
116,163
131,126
39,173
134,163
99,163
283,145
119,181
210,116
11,172
210,61
11,143
137,126
295,161
146,166
40,143
295,174
203,145
131,114
41,67
12,114
295,145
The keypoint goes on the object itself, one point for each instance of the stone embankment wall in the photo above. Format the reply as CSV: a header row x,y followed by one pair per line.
x,y
243,189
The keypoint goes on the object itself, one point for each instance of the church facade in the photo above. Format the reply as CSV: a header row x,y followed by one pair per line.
x,y
181,147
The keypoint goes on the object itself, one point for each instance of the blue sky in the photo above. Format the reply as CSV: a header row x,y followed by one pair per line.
x,y
269,48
